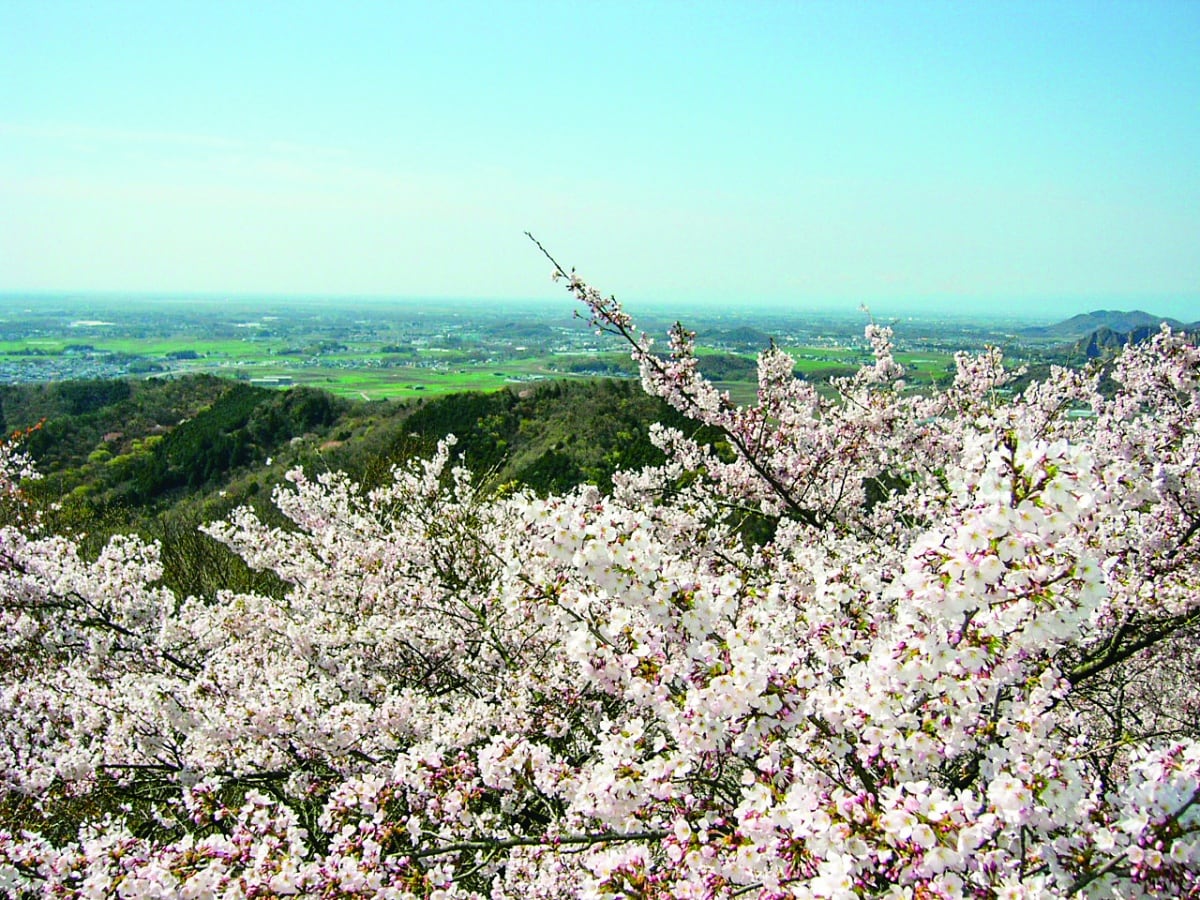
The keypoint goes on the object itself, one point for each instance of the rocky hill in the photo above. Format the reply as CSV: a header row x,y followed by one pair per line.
x,y
1080,327
1105,341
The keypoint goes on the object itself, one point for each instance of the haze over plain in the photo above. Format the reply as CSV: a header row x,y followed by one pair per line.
x,y
1038,158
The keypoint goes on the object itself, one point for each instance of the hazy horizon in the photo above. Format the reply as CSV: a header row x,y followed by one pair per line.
x,y
564,306
1005,160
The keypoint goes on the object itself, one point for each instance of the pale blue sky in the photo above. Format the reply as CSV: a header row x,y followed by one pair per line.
x,y
965,156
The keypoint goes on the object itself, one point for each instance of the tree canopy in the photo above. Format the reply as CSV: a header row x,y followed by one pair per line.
x,y
955,657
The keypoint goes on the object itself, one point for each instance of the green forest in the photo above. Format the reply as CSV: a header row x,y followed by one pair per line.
x,y
161,456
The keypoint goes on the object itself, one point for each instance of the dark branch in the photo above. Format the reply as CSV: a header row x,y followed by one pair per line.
x,y
543,841
1117,649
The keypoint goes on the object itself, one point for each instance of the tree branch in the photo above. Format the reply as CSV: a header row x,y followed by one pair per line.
x,y
1115,651
543,841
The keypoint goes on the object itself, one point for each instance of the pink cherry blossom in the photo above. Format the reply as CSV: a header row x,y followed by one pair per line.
x,y
960,662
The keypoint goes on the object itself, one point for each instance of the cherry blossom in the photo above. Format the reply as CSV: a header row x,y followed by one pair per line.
x,y
871,643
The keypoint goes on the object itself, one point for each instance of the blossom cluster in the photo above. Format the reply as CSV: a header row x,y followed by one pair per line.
x,y
879,644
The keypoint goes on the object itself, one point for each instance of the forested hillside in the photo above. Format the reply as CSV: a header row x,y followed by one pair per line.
x,y
119,454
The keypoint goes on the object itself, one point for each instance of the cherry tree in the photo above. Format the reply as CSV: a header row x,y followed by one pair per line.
x,y
877,643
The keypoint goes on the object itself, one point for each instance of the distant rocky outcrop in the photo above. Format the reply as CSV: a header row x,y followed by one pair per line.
x,y
1105,341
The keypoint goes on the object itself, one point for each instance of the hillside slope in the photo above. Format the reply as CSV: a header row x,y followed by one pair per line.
x,y
129,452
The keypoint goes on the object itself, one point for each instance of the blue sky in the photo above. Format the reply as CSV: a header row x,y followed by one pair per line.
x,y
1032,157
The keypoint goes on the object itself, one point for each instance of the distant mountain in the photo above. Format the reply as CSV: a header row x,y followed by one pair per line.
x,y
1082,326
742,338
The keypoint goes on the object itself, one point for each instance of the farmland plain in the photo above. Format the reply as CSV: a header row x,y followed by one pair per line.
x,y
375,349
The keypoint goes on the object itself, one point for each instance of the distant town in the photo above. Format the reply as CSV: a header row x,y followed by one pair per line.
x,y
375,349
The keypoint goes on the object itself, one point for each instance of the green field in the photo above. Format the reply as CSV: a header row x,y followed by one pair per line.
x,y
361,370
